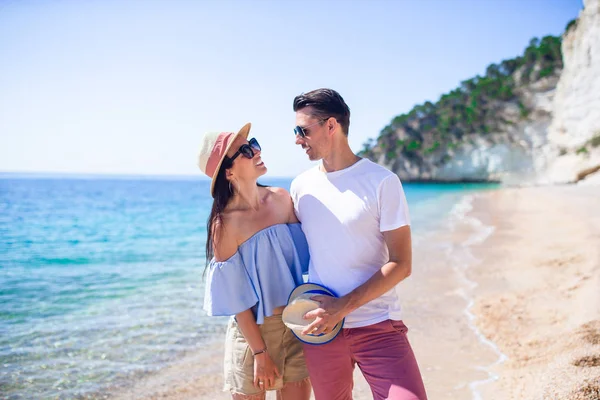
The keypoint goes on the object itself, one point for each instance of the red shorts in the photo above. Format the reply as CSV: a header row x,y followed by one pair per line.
x,y
383,354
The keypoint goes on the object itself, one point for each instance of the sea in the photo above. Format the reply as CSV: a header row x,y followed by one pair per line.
x,y
101,277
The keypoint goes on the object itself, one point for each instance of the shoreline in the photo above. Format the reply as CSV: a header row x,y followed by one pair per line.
x,y
432,309
482,315
480,234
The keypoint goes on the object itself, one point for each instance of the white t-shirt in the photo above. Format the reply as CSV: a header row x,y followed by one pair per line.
x,y
343,215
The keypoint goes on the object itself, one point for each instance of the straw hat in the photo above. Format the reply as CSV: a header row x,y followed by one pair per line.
x,y
299,304
214,148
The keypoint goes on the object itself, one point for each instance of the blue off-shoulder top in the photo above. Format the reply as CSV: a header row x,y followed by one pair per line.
x,y
260,275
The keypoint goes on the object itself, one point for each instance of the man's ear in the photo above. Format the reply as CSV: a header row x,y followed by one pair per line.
x,y
331,125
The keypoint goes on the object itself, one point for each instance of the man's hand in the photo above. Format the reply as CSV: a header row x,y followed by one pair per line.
x,y
331,311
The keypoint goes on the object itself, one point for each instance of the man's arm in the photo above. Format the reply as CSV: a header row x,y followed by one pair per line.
x,y
398,267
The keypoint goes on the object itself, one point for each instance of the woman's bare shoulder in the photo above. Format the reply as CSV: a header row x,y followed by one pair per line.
x,y
284,201
279,193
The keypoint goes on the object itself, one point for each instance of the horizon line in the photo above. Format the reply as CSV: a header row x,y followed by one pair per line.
x,y
117,175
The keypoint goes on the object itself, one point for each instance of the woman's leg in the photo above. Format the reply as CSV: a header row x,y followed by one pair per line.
x,y
295,390
239,396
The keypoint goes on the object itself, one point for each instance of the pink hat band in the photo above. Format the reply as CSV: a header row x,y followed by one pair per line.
x,y
209,161
214,148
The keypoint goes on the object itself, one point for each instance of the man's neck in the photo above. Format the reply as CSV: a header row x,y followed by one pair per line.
x,y
339,160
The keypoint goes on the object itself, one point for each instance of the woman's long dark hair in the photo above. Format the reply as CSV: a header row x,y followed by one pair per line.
x,y
222,195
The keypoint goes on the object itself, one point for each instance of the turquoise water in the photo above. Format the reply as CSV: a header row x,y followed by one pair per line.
x,y
100,279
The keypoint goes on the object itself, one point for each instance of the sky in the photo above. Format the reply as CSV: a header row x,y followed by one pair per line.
x,y
129,87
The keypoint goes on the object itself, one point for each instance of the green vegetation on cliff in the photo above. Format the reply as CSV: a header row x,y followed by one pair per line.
x,y
433,128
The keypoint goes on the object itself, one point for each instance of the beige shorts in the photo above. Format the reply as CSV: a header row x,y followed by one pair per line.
x,y
284,349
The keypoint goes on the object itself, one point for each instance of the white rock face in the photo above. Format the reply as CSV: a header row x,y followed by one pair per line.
x,y
576,108
509,156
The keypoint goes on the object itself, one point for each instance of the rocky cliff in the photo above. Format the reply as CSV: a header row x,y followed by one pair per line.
x,y
574,134
534,119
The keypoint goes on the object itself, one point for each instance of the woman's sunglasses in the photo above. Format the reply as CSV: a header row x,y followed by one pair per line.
x,y
300,131
247,150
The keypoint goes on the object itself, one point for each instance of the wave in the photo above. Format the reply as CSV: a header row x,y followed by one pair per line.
x,y
463,259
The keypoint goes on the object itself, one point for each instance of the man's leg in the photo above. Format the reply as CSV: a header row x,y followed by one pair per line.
x,y
387,362
330,367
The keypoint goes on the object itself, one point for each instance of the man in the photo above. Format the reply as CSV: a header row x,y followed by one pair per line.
x,y
356,221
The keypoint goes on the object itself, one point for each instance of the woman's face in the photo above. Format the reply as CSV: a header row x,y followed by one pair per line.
x,y
244,168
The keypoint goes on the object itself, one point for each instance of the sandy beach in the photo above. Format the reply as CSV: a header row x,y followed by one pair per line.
x,y
538,294
503,303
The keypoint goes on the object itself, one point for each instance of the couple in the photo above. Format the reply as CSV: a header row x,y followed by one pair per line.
x,y
353,216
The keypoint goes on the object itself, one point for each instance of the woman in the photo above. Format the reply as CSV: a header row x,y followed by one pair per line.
x,y
257,253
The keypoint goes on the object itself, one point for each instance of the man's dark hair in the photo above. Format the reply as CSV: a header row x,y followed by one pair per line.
x,y
326,103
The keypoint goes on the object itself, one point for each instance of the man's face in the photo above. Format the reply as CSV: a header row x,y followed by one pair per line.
x,y
316,141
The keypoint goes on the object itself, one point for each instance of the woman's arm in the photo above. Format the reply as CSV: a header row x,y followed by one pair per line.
x,y
249,328
225,245
265,370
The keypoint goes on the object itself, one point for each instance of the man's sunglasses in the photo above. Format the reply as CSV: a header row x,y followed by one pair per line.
x,y
247,150
301,131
